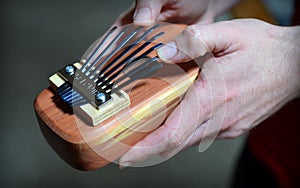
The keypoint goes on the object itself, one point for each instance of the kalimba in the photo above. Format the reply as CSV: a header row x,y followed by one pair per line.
x,y
120,91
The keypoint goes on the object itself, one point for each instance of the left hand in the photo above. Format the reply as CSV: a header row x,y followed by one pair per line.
x,y
145,12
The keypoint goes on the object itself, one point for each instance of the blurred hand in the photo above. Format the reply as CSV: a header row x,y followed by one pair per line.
x,y
145,12
252,71
172,11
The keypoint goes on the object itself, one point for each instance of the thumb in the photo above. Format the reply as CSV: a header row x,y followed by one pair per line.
x,y
146,11
196,41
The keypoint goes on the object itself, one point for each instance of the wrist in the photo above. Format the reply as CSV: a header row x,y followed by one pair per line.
x,y
291,35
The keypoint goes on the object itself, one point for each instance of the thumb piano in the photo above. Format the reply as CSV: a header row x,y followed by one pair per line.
x,y
96,109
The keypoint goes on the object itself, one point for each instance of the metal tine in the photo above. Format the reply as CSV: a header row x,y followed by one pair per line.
x,y
77,98
109,78
146,72
68,92
84,66
64,88
121,45
147,52
79,103
68,97
135,70
64,94
75,95
131,72
107,48
130,55
125,51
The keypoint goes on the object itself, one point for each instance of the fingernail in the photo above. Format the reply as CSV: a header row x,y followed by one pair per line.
x,y
142,15
168,51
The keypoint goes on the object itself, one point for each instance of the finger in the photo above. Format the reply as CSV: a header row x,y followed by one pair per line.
x,y
125,18
215,99
146,11
154,143
198,40
176,131
203,136
185,47
194,139
231,134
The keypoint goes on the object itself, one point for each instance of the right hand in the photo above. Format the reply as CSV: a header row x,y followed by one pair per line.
x,y
252,71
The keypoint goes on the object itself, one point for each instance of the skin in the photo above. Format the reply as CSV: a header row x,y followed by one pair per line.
x,y
252,71
145,12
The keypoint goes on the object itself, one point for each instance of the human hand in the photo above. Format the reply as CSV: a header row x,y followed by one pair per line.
x,y
252,71
188,12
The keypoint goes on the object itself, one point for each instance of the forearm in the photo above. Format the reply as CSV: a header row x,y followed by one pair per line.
x,y
286,44
294,33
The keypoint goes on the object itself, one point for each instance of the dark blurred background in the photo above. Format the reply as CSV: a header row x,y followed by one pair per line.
x,y
38,38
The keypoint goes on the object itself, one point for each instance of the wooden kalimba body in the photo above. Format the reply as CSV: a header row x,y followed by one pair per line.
x,y
89,136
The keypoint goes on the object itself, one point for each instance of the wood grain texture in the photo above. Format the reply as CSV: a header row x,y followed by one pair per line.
x,y
151,100
86,147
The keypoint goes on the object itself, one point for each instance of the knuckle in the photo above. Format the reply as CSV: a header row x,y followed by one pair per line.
x,y
226,125
193,29
175,140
